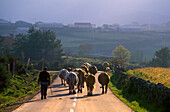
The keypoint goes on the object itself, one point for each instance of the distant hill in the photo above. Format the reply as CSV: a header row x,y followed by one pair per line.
x,y
4,21
22,23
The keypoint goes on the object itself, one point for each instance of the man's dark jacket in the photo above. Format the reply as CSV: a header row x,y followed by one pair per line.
x,y
44,77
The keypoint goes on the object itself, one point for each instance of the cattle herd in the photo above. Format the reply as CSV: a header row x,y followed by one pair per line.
x,y
85,74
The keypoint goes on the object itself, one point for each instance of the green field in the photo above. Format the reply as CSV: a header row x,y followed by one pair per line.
x,y
154,75
104,42
144,43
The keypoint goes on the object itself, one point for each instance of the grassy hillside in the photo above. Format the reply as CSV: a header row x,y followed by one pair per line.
x,y
155,75
146,42
104,42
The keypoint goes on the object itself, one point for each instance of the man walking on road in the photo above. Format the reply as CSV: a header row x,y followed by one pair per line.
x,y
44,78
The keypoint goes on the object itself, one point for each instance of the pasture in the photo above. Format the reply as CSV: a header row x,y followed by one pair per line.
x,y
155,75
146,42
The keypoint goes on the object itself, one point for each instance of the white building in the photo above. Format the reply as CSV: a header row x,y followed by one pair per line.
x,y
83,25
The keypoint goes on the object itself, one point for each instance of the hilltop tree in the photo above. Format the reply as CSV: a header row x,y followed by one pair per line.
x,y
38,44
162,58
121,53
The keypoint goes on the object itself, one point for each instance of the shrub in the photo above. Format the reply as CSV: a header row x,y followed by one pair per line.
x,y
4,76
20,69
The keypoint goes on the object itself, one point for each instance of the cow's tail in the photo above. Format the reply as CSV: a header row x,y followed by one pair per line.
x,y
72,82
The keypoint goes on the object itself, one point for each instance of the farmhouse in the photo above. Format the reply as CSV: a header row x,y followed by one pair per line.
x,y
83,25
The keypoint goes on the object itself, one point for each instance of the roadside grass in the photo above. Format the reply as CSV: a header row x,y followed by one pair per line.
x,y
20,87
135,101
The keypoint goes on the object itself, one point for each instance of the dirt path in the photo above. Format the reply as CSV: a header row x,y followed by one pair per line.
x,y
61,101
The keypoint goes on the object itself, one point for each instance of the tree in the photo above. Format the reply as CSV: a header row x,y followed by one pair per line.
x,y
85,49
5,76
1,45
116,61
4,48
121,53
162,58
38,44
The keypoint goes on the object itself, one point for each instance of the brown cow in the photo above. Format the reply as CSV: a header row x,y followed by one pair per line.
x,y
104,79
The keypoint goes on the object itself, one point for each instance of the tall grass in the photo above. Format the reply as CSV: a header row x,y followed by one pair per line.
x,y
155,75
20,86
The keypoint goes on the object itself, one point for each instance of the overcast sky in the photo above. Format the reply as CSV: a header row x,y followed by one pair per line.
x,y
94,11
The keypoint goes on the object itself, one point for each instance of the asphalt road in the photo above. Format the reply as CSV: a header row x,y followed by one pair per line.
x,y
61,101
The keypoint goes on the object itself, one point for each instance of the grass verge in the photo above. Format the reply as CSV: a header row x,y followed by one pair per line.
x,y
135,101
21,89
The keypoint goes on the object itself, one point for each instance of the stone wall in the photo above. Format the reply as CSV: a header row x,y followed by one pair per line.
x,y
155,93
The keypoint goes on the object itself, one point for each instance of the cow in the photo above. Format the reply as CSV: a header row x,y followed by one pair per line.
x,y
72,80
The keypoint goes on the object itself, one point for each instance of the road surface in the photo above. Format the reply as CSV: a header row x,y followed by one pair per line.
x,y
61,101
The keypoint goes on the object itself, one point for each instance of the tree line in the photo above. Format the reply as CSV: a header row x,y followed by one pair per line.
x,y
38,44
43,46
121,55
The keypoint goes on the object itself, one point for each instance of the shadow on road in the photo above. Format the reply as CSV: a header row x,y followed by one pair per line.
x,y
95,95
61,90
55,86
59,95
85,96
58,86
26,102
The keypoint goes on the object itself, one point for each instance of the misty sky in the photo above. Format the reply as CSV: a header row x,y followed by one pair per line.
x,y
94,11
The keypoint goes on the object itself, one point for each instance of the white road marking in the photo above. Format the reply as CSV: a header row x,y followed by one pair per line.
x,y
75,99
74,104
71,110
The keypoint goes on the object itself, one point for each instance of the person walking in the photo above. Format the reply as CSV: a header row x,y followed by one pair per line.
x,y
44,79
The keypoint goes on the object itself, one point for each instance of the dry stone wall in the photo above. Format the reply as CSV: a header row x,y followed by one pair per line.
x,y
155,93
